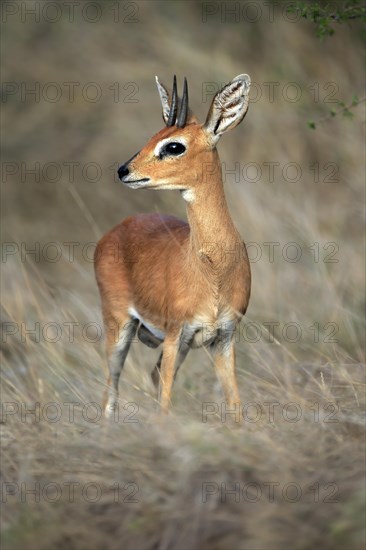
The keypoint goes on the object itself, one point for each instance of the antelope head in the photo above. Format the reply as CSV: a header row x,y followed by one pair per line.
x,y
175,157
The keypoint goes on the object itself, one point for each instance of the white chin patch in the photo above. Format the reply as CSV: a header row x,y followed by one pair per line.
x,y
188,195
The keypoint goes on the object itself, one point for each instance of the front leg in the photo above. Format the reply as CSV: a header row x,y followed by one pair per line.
x,y
167,369
182,354
224,352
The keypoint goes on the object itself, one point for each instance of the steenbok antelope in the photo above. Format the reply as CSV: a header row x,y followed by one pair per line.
x,y
184,285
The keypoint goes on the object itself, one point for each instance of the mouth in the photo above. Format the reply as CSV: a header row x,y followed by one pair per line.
x,y
134,184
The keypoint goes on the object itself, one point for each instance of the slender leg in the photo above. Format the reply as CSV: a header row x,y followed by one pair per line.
x,y
182,354
117,353
225,369
171,356
155,375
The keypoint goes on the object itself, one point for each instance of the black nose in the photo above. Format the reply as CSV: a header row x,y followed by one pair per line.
x,y
123,171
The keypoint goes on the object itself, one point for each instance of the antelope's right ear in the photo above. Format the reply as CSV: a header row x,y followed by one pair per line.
x,y
228,108
166,99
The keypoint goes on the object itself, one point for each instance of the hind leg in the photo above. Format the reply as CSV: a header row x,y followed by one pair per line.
x,y
119,338
155,375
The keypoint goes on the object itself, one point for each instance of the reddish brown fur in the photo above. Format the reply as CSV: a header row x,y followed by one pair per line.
x,y
172,272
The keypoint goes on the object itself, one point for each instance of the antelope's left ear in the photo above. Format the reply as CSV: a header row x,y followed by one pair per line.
x,y
228,108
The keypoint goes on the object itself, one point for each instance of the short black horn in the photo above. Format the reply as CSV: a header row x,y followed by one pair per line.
x,y
182,117
174,105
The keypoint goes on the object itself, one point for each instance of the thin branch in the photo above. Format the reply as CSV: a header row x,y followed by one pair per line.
x,y
333,114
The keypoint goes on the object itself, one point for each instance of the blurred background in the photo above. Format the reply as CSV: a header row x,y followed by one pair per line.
x,y
78,99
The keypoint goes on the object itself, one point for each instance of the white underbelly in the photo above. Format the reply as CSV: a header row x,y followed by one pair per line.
x,y
155,331
199,332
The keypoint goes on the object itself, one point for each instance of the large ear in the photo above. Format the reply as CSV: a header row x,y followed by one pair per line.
x,y
228,107
166,98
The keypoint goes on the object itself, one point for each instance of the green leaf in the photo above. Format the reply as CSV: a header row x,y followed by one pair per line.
x,y
311,124
347,113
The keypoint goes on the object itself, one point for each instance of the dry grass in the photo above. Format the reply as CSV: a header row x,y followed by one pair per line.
x,y
171,460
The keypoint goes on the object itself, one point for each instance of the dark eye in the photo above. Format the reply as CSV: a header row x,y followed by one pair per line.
x,y
173,148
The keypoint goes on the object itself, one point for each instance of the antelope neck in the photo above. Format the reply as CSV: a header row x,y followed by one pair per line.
x,y
212,231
